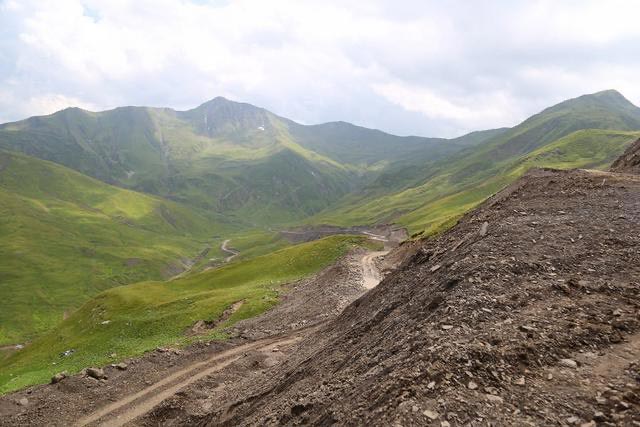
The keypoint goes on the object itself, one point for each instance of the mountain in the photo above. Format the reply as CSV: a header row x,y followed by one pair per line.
x,y
524,313
587,132
66,237
82,225
223,156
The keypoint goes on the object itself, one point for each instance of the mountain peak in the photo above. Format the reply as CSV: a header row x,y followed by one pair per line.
x,y
221,116
610,101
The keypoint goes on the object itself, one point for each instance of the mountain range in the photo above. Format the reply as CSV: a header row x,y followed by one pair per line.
x,y
96,200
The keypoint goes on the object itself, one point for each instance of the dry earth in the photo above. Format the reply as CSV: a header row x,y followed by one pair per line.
x,y
525,313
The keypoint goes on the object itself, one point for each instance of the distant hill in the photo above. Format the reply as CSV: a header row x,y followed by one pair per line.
x,y
224,156
586,132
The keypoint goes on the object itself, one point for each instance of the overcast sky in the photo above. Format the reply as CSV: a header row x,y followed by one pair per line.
x,y
438,68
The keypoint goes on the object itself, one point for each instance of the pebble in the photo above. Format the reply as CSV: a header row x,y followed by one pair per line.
x,y
494,398
568,363
432,415
96,373
599,416
484,228
472,385
23,401
58,377
520,381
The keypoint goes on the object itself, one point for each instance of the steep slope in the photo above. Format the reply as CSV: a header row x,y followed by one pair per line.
x,y
225,156
589,131
525,313
629,162
64,237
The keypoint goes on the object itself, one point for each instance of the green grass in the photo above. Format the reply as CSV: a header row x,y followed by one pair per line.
x,y
456,187
145,315
65,237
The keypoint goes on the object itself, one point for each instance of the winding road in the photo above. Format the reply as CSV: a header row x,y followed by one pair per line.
x,y
232,252
130,407
139,403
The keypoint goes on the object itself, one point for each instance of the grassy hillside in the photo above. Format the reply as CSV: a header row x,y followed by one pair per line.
x,y
587,149
64,237
590,131
232,158
129,320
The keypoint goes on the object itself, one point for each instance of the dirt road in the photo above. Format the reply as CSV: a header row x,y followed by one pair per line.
x,y
232,252
370,273
142,393
134,405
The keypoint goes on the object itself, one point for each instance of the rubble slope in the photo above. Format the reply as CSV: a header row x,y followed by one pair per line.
x,y
524,313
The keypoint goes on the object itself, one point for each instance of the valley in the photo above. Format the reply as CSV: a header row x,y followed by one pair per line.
x,y
224,265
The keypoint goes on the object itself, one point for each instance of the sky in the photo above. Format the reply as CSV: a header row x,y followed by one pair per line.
x,y
414,67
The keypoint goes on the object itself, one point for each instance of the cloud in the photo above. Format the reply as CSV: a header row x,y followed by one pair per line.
x,y
428,67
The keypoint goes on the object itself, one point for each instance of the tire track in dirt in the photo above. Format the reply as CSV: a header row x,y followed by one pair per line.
x,y
142,402
370,274
137,404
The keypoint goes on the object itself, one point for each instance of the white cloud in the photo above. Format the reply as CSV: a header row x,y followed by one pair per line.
x,y
432,68
465,114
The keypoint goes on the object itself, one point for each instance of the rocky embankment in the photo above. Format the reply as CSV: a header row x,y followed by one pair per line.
x,y
525,313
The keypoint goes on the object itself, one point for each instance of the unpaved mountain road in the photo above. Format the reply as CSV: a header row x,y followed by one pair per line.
x,y
142,402
134,405
370,273
162,379
232,252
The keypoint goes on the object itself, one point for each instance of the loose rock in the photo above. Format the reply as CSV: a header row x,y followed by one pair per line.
x,y
58,377
568,363
432,415
96,373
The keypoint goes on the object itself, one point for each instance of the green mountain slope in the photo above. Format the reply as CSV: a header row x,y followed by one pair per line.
x,y
129,320
65,237
224,156
589,131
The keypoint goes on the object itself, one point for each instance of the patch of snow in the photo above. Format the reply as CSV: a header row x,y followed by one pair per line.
x,y
260,127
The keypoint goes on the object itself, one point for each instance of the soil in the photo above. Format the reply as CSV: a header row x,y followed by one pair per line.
x,y
390,234
525,313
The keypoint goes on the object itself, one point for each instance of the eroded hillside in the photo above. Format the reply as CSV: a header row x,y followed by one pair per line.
x,y
525,313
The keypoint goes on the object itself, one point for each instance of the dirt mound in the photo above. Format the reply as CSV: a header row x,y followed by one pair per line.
x,y
525,313
629,162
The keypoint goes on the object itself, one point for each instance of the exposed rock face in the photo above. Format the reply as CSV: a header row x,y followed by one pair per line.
x,y
629,162
532,323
